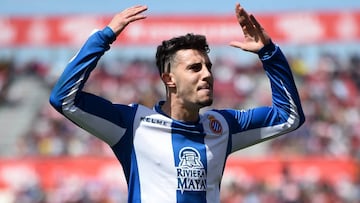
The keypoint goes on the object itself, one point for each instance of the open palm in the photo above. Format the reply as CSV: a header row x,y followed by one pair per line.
x,y
255,36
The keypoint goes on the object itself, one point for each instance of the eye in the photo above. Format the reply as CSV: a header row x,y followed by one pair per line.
x,y
195,67
209,66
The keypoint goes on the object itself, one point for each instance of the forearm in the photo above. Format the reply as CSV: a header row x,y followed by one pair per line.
x,y
80,66
262,123
90,112
285,96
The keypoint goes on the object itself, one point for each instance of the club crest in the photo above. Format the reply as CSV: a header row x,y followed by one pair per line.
x,y
214,125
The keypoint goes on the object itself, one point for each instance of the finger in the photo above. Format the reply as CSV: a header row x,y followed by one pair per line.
x,y
241,15
237,44
260,29
139,9
122,19
256,23
244,20
135,10
134,13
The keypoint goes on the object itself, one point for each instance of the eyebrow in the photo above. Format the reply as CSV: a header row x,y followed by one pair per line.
x,y
208,64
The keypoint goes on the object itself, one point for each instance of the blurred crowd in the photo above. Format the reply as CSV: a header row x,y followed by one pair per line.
x,y
236,188
330,93
6,77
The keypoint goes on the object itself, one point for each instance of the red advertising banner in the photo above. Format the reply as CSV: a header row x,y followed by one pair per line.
x,y
285,27
50,171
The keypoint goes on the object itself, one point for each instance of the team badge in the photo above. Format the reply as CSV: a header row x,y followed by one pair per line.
x,y
214,125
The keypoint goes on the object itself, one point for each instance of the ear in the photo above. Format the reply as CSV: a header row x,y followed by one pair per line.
x,y
168,79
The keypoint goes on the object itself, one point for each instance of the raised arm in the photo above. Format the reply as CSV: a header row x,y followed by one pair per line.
x,y
93,113
285,114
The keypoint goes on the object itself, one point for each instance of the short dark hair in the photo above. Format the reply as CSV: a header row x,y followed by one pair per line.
x,y
169,47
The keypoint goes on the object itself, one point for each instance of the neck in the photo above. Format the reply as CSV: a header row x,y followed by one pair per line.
x,y
179,111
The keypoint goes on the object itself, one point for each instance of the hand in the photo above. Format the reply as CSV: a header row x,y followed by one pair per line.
x,y
129,15
255,35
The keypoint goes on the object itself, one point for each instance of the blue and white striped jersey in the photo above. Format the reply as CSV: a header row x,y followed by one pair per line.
x,y
165,160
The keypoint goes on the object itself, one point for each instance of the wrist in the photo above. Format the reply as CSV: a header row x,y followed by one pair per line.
x,y
109,34
267,50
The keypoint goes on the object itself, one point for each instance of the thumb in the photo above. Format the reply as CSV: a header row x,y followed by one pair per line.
x,y
238,44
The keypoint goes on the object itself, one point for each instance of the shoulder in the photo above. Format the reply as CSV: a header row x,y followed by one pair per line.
x,y
225,113
227,116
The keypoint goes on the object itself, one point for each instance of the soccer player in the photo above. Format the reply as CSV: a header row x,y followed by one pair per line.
x,y
172,152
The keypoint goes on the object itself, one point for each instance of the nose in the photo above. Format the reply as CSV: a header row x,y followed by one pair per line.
x,y
206,72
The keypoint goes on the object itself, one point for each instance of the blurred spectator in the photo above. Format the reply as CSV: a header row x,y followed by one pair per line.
x,y
6,76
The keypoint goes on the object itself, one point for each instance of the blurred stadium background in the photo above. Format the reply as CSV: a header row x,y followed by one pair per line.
x,y
46,159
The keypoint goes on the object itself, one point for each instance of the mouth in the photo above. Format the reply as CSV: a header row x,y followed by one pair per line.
x,y
205,87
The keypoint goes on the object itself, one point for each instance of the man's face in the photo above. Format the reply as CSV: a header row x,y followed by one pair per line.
x,y
191,74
